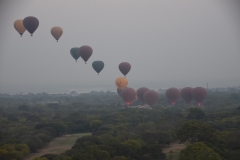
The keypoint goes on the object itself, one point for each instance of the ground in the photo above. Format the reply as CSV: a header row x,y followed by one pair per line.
x,y
58,145
173,150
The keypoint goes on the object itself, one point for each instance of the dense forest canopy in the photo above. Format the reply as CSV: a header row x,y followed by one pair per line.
x,y
119,132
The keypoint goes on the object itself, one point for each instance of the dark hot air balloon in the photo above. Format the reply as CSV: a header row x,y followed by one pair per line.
x,y
128,95
173,94
124,67
151,97
74,53
186,94
85,52
199,94
98,66
140,93
31,24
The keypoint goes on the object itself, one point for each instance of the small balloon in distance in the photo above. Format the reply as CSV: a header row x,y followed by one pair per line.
x,y
150,97
98,66
128,95
56,32
140,93
186,94
31,24
173,94
121,83
18,25
85,52
124,68
199,94
74,53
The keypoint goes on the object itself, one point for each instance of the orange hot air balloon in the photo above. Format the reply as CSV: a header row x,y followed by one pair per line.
x,y
56,32
18,25
121,83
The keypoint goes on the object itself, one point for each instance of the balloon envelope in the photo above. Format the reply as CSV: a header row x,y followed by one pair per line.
x,y
136,98
128,95
140,93
74,53
31,24
186,94
85,52
173,94
56,32
121,83
124,67
98,66
18,25
199,94
151,97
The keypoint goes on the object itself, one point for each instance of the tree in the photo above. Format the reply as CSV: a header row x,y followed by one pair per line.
x,y
196,131
195,113
23,108
233,141
13,152
94,124
198,151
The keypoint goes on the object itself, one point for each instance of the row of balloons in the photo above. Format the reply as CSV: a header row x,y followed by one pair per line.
x,y
150,97
31,23
85,53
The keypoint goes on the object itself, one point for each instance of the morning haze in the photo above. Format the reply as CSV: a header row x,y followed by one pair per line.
x,y
168,44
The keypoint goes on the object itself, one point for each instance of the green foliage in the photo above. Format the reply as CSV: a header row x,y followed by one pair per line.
x,y
40,158
119,158
23,108
94,124
14,152
119,133
196,131
198,151
195,113
233,141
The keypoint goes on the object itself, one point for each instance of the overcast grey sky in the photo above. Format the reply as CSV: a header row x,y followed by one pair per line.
x,y
169,43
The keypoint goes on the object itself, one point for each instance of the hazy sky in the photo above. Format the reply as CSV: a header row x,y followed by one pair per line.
x,y
169,43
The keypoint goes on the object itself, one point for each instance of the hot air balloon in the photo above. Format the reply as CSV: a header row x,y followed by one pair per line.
x,y
74,53
18,25
121,83
140,93
173,95
56,32
124,67
186,94
136,98
98,66
128,95
199,94
150,97
31,24
85,52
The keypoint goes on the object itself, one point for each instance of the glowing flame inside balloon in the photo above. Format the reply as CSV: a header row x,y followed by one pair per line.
x,y
128,103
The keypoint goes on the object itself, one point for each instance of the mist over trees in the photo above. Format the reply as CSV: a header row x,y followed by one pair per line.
x,y
29,122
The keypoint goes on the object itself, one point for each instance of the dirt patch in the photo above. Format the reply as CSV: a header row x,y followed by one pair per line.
x,y
173,150
57,145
